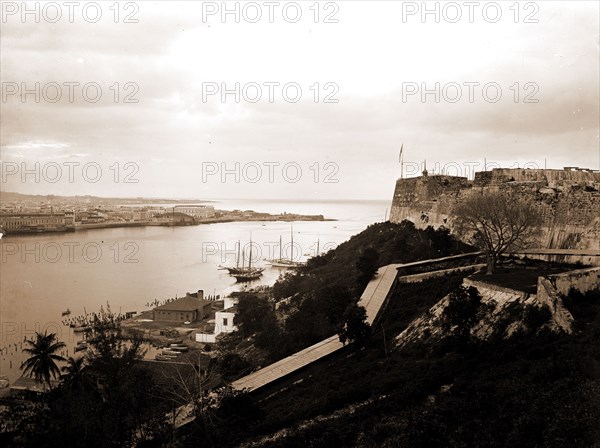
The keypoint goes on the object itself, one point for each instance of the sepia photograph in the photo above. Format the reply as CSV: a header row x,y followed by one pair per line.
x,y
312,223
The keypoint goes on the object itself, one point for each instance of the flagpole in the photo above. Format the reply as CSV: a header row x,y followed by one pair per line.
x,y
402,161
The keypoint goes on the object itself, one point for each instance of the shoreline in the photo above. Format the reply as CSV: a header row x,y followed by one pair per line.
x,y
114,225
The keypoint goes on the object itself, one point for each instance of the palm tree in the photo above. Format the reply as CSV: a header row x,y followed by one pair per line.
x,y
41,364
74,367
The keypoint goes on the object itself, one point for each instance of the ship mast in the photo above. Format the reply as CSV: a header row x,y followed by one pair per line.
x,y
250,259
292,252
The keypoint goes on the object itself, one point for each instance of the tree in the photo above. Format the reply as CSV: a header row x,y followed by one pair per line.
x,y
461,312
252,312
366,264
41,363
74,367
355,327
128,411
497,222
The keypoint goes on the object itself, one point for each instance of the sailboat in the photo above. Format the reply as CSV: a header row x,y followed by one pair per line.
x,y
317,252
249,273
286,262
237,269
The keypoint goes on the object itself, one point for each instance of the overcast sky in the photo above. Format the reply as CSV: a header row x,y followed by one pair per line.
x,y
373,61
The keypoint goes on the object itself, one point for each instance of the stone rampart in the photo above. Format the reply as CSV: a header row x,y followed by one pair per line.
x,y
567,200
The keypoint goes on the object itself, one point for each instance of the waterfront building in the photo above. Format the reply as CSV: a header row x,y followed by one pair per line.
x,y
224,319
190,308
28,222
223,323
196,211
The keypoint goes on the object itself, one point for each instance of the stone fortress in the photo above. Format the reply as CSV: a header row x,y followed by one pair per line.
x,y
567,199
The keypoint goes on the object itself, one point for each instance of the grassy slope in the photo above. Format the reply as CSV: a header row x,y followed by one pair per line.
x,y
536,390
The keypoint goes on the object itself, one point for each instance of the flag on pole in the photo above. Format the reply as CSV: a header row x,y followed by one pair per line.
x,y
401,160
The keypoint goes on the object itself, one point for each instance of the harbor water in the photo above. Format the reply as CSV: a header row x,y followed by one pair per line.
x,y
43,275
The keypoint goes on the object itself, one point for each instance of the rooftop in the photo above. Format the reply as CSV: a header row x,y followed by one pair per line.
x,y
231,309
186,303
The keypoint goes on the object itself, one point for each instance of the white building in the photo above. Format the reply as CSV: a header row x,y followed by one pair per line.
x,y
196,211
224,322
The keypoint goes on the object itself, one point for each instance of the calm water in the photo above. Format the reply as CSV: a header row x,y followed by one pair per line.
x,y
42,275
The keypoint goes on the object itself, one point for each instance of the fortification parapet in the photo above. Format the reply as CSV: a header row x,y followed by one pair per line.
x,y
565,176
567,200
424,193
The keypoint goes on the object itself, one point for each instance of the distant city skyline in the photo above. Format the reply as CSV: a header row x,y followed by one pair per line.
x,y
519,89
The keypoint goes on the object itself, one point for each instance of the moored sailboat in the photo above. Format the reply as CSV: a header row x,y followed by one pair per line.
x,y
237,269
287,263
247,274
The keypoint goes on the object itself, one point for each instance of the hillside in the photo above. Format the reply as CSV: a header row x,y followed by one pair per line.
x,y
311,302
510,379
394,243
536,388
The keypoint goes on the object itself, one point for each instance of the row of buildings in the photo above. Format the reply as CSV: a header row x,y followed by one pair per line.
x,y
13,220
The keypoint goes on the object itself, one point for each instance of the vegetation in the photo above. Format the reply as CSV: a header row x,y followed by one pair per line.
x,y
497,222
41,364
355,327
366,265
107,399
536,388
461,313
319,300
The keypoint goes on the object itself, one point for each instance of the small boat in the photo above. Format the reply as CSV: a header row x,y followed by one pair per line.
x,y
66,312
180,349
81,347
164,358
81,328
170,352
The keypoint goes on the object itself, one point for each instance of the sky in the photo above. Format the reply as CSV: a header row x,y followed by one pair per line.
x,y
291,100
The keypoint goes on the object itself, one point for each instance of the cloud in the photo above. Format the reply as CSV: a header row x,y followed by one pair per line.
x,y
370,55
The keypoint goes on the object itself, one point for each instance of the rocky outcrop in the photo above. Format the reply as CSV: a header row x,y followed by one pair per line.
x,y
504,311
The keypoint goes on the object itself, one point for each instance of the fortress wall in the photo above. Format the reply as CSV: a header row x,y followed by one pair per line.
x,y
568,201
582,280
502,175
427,200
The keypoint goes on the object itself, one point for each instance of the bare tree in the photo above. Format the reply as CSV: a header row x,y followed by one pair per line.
x,y
498,223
